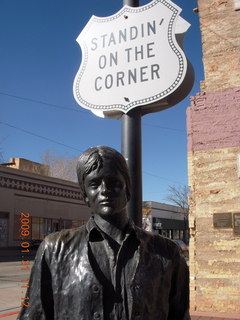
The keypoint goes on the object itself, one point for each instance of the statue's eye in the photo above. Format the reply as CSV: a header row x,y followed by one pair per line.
x,y
94,167
93,184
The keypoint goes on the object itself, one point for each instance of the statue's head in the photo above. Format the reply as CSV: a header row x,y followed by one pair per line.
x,y
98,161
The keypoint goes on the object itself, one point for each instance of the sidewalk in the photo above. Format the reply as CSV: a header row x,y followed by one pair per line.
x,y
13,316
210,318
213,316
9,316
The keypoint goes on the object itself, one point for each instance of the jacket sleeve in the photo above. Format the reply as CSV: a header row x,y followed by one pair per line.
x,y
179,294
39,292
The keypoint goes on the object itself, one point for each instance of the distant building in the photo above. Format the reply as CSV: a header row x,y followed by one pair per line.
x,y
32,201
27,165
164,219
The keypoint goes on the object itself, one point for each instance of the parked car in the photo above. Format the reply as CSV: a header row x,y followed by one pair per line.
x,y
183,247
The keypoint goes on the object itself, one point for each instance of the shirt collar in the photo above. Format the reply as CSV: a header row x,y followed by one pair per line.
x,y
95,233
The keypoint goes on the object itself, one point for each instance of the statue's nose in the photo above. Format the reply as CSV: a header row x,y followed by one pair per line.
x,y
105,187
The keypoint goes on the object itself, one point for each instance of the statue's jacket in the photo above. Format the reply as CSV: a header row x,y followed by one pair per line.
x,y
63,285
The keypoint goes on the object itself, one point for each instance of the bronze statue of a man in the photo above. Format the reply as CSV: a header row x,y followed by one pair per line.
x,y
107,269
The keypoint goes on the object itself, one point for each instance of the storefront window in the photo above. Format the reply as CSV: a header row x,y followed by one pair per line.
x,y
67,224
176,235
17,226
55,225
35,228
165,233
181,235
78,223
42,228
47,226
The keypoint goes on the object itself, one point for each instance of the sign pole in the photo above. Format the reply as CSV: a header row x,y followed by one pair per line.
x,y
136,55
132,151
131,3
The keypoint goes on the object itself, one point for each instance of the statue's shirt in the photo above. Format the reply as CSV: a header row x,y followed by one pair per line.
x,y
145,278
112,263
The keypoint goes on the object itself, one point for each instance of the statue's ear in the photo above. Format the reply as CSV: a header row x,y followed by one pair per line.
x,y
87,201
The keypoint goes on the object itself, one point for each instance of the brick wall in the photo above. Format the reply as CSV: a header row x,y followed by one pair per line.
x,y
214,145
214,253
220,29
213,122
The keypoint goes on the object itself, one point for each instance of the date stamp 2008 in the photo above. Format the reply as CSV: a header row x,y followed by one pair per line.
x,y
25,245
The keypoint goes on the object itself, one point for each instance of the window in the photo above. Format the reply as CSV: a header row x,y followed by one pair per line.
x,y
35,228
78,223
17,228
67,224
55,225
176,235
42,228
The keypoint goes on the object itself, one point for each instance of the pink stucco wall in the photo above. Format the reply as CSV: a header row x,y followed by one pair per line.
x,y
213,120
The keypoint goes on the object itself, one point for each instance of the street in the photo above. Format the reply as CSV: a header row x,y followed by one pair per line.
x,y
13,279
12,291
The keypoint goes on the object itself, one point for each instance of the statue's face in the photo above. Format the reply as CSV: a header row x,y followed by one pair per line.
x,y
106,190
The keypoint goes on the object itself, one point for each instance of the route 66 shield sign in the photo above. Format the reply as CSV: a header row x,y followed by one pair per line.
x,y
133,59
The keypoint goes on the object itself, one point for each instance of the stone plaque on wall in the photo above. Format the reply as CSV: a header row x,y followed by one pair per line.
x,y
222,220
236,224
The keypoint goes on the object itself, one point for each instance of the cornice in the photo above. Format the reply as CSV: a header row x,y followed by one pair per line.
x,y
40,188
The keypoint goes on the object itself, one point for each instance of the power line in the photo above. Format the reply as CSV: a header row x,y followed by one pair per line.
x,y
45,103
165,128
79,110
162,178
39,136
73,148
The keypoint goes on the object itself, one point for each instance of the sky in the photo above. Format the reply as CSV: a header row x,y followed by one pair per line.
x,y
39,58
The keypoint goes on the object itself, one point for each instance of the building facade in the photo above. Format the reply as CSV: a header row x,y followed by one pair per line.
x,y
43,203
213,121
46,204
164,219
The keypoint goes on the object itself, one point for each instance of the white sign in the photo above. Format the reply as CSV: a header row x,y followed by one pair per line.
x,y
131,58
158,225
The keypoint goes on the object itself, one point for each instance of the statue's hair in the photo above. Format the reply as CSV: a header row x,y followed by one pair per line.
x,y
93,158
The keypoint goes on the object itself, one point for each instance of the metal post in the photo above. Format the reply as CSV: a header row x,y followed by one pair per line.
x,y
131,3
132,151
